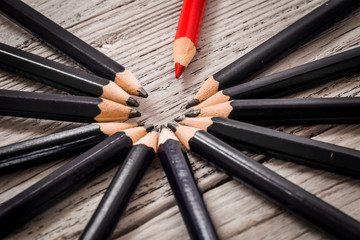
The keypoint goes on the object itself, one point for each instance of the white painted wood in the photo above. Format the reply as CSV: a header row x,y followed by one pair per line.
x,y
139,34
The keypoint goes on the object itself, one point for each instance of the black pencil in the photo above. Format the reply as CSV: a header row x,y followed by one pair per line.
x,y
268,183
182,181
286,110
275,48
62,107
56,146
63,77
122,187
286,146
71,45
66,179
292,80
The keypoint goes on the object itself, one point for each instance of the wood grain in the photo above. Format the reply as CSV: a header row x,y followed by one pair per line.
x,y
139,34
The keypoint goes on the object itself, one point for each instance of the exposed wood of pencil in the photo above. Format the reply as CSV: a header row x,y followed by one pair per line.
x,y
66,179
282,145
286,110
62,77
56,146
292,80
68,43
269,183
181,179
275,47
122,187
187,34
62,107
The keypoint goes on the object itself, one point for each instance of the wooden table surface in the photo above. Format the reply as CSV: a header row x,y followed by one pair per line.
x,y
139,35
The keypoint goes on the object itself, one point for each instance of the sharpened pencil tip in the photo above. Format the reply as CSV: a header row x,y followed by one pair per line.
x,y
161,127
134,113
192,103
142,93
149,127
179,69
132,102
172,126
193,113
179,119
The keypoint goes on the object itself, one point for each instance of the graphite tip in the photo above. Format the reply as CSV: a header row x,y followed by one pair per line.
x,y
142,93
172,126
132,102
192,103
134,113
149,127
179,119
193,113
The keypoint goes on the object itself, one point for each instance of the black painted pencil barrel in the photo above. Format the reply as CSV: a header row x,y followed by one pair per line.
x,y
50,72
49,148
116,198
293,111
49,106
298,78
275,187
288,146
62,181
292,36
57,36
188,197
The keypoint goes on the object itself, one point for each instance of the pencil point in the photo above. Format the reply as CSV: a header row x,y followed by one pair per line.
x,y
132,102
179,69
172,126
192,103
134,113
142,93
179,119
149,127
193,113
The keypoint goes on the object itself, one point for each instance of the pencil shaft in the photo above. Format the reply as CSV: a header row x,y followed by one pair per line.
x,y
62,181
116,198
299,78
187,33
57,36
275,187
50,72
289,38
293,111
288,146
62,107
49,148
178,172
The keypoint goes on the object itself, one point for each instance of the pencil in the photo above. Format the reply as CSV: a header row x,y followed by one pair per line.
x,y
122,187
274,48
268,183
71,45
187,33
62,77
62,107
57,145
285,146
66,179
182,181
286,110
292,80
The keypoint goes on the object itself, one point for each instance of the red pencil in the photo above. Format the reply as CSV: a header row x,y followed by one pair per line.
x,y
187,33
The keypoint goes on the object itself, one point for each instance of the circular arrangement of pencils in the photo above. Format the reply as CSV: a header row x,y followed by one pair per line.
x,y
251,152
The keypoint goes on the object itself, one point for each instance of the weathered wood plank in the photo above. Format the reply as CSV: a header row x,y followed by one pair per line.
x,y
139,35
